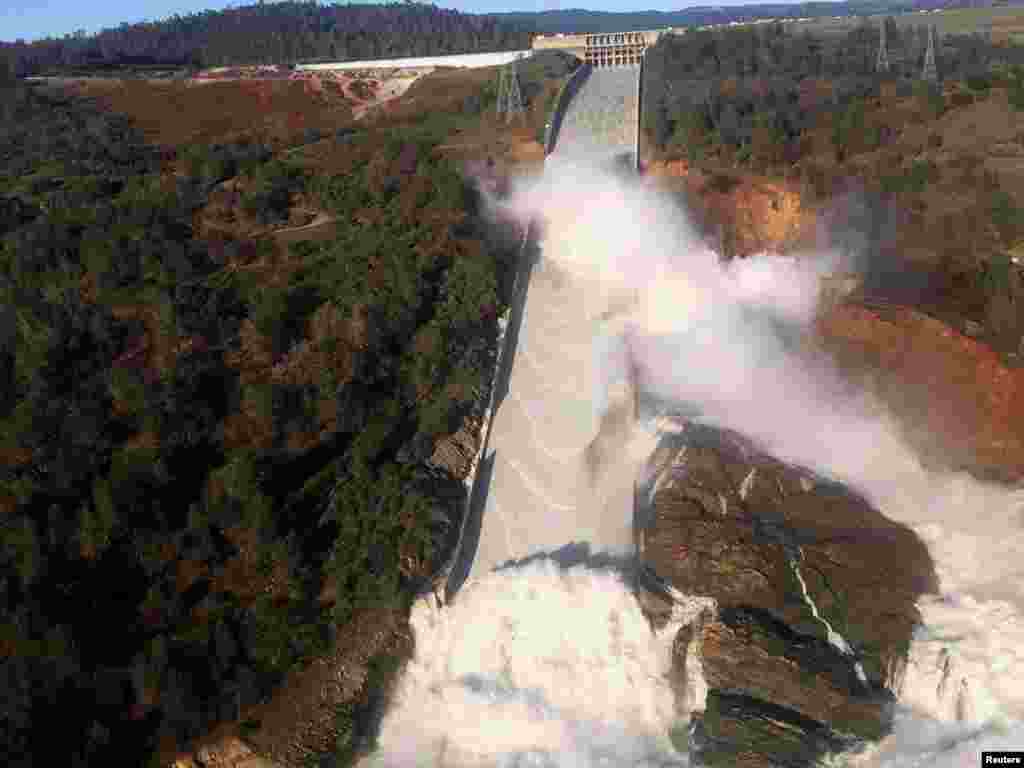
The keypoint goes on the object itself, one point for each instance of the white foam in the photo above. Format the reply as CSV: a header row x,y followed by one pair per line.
x,y
536,661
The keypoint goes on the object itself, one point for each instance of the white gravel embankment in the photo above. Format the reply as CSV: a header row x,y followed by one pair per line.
x,y
469,60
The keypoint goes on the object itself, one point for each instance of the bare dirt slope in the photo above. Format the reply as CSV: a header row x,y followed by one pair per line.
x,y
176,113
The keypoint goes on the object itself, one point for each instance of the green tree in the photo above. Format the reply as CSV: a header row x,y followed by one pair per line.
x,y
470,288
1015,94
692,133
21,544
7,71
240,482
98,520
848,129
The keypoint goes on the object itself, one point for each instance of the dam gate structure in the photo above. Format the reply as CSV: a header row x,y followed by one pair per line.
x,y
602,51
623,49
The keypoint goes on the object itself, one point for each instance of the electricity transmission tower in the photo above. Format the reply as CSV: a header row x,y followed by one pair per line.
x,y
882,64
510,100
930,72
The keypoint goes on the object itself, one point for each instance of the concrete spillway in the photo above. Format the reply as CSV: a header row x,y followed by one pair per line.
x,y
547,479
601,122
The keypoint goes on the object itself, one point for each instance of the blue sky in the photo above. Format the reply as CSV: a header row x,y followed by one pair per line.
x,y
32,19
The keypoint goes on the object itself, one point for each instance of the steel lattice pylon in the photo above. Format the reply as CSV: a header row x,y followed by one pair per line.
x,y
882,64
930,71
510,99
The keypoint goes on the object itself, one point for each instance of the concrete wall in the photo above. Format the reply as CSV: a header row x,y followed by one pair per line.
x,y
454,573
639,116
565,96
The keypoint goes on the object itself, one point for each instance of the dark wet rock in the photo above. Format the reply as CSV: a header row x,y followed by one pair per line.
x,y
658,610
416,450
739,730
801,673
352,408
15,212
731,523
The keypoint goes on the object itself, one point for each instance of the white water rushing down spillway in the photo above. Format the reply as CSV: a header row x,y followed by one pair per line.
x,y
534,665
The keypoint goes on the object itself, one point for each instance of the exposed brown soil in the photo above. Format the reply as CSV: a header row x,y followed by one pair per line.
x,y
963,407
743,214
175,113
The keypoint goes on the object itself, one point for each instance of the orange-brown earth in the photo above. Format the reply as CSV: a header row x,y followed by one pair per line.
x,y
745,214
962,404
963,407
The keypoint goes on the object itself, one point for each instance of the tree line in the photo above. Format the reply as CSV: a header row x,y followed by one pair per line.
x,y
577,20
758,90
276,33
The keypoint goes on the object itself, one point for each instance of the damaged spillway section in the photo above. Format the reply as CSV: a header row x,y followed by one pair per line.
x,y
541,653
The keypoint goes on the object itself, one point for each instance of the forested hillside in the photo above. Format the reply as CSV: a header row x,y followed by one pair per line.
x,y
757,90
278,33
214,452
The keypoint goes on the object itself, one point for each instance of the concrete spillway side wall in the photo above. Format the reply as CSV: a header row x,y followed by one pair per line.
x,y
455,570
639,115
565,96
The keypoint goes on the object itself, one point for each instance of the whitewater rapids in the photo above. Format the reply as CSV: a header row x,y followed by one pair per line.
x,y
533,665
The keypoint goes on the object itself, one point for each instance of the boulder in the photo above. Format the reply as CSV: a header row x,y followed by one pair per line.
x,y
816,593
228,753
739,730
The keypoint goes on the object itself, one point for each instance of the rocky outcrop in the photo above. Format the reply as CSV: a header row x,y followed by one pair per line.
x,y
454,453
231,753
961,406
740,730
816,594
14,213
